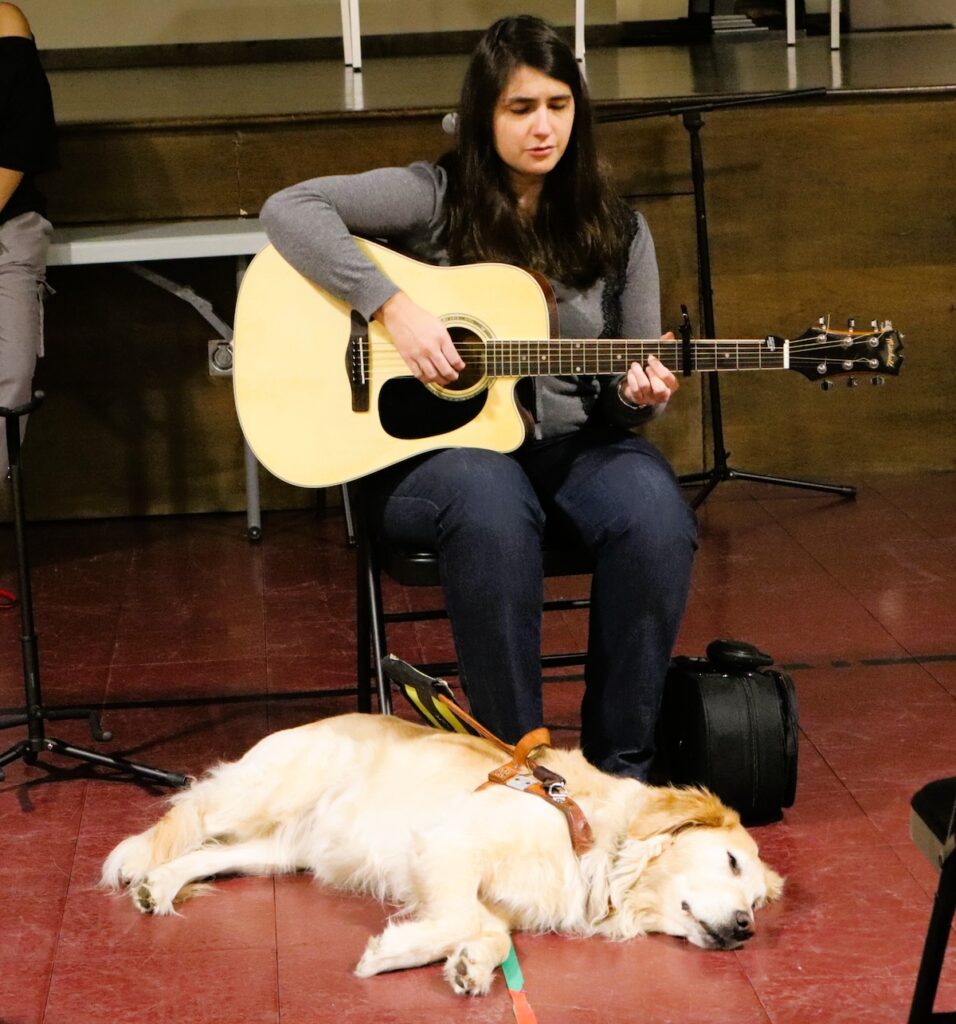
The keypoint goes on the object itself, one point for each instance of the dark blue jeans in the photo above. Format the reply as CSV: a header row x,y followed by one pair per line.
x,y
486,515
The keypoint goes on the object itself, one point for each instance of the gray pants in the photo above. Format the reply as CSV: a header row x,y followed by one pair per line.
x,y
23,247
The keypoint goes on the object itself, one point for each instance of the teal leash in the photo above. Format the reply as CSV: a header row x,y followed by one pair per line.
x,y
514,979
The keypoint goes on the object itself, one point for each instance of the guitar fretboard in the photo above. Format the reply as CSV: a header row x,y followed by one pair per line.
x,y
550,357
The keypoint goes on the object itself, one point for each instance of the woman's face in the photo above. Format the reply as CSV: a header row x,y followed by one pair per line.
x,y
532,122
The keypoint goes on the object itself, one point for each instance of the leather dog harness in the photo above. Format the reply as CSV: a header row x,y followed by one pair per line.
x,y
524,774
434,701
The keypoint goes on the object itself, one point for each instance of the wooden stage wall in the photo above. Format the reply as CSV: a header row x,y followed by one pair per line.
x,y
840,206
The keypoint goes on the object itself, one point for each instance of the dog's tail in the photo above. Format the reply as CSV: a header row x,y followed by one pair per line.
x,y
180,830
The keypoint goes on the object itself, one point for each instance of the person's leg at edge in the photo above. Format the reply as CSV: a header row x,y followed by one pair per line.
x,y
23,245
480,512
625,502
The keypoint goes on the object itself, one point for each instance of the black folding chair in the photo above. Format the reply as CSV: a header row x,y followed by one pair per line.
x,y
933,828
416,567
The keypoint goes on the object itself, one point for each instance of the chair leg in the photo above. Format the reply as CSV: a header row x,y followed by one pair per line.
x,y
934,949
377,633
370,640
363,627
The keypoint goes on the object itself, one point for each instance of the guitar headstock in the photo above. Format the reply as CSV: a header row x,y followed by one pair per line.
x,y
821,353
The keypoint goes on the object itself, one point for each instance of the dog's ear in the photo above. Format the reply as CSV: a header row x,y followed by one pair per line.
x,y
670,810
774,882
627,865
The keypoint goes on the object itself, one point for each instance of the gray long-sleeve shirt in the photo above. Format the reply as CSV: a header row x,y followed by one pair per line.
x,y
311,225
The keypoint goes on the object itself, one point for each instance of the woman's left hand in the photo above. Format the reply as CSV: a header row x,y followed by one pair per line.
x,y
649,385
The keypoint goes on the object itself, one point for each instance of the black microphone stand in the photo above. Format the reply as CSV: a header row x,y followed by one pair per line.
x,y
34,714
693,122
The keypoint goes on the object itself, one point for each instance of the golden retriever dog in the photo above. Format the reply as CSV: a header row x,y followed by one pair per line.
x,y
383,806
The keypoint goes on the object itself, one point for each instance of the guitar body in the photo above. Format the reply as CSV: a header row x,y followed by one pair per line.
x,y
294,386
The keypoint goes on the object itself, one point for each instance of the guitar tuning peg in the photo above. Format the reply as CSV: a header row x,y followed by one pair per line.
x,y
852,382
825,385
875,324
877,380
851,323
822,321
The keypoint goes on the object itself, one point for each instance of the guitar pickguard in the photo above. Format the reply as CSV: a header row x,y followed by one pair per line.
x,y
409,411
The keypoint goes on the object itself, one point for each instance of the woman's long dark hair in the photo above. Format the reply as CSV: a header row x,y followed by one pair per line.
x,y
581,223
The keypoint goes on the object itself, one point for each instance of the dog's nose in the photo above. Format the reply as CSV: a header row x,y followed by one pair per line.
x,y
743,926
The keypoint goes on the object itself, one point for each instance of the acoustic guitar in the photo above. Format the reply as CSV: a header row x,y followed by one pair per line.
x,y
323,396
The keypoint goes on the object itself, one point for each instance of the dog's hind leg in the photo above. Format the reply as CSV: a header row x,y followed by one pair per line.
x,y
179,829
156,892
232,803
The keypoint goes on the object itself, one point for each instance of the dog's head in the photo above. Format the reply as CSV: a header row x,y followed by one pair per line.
x,y
687,867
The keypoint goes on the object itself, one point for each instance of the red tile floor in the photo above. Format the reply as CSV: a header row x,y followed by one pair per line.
x,y
856,598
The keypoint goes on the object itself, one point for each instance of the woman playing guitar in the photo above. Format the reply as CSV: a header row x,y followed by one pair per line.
x,y
524,186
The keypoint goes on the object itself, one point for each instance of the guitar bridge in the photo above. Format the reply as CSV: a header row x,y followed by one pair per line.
x,y
357,363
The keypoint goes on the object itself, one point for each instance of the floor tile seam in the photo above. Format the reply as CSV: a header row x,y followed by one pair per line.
x,y
753,988
130,575
62,916
902,510
275,937
164,663
842,586
876,622
836,775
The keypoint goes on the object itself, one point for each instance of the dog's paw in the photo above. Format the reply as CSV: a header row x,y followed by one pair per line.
x,y
143,898
127,864
152,896
370,962
468,972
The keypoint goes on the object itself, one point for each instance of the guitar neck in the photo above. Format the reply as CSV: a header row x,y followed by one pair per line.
x,y
553,357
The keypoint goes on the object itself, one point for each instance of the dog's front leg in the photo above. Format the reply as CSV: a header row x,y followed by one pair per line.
x,y
450,922
471,960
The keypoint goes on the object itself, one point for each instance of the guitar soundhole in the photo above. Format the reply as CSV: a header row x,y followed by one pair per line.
x,y
471,348
408,410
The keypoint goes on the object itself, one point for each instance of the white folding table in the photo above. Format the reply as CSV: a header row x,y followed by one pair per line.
x,y
134,245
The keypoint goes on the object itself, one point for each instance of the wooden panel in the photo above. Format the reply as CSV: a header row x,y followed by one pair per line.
x,y
837,210
271,158
649,156
122,175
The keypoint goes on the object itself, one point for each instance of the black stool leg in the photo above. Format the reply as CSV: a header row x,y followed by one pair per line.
x,y
934,950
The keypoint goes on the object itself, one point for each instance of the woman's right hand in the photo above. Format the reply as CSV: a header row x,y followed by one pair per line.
x,y
422,340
